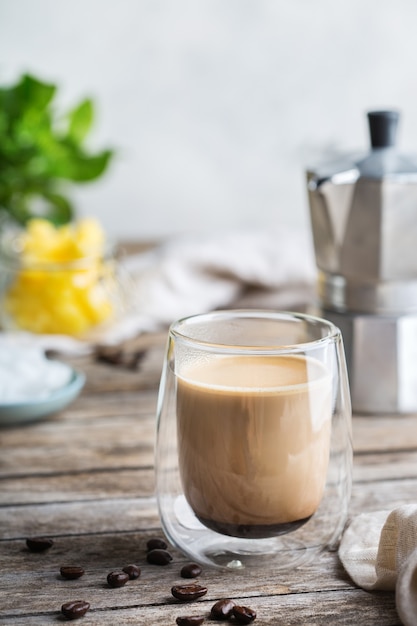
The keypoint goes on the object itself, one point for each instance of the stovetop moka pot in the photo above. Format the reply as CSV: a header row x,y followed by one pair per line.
x,y
364,222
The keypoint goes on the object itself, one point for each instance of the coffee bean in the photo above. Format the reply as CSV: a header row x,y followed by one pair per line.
x,y
117,579
39,544
188,593
222,610
156,544
158,557
75,609
133,571
129,359
191,570
71,572
190,620
243,614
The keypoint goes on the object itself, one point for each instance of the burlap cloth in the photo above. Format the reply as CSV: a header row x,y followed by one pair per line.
x,y
379,552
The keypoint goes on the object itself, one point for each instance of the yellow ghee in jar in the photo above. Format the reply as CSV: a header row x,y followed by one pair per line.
x,y
62,284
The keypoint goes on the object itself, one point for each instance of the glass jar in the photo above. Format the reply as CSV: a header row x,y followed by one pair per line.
x,y
57,297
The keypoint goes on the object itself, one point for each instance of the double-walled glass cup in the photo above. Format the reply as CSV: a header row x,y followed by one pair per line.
x,y
254,452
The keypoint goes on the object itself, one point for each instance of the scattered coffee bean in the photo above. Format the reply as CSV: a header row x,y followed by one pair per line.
x,y
191,570
158,557
39,544
71,572
222,610
117,579
75,609
129,359
156,544
188,593
243,614
133,571
190,620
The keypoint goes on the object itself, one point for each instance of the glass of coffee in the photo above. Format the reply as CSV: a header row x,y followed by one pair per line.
x,y
254,451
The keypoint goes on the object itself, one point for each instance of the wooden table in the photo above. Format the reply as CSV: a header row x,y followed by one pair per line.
x,y
84,477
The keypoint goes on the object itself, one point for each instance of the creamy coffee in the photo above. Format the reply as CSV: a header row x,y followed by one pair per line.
x,y
253,441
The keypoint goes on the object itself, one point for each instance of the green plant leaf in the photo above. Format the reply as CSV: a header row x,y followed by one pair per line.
x,y
80,167
34,93
80,121
41,203
59,209
28,94
38,156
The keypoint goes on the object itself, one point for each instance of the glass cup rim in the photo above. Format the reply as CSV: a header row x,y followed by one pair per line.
x,y
333,333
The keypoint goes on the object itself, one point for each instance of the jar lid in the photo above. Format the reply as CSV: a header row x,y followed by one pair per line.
x,y
383,160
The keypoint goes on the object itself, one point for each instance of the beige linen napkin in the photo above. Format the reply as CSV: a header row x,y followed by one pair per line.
x,y
379,552
189,275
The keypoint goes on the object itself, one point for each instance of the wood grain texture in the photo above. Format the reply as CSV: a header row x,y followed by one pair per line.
x,y
85,477
349,608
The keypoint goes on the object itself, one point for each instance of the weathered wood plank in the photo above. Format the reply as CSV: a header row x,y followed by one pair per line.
x,y
153,587
373,434
119,482
384,466
370,434
100,554
93,406
73,518
121,442
74,486
124,514
387,495
347,608
114,432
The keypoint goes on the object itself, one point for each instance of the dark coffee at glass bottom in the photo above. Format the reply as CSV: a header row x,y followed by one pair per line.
x,y
253,531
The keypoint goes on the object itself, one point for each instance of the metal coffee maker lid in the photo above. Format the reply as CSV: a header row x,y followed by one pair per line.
x,y
364,220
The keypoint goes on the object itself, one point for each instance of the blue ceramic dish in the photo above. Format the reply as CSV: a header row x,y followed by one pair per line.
x,y
14,413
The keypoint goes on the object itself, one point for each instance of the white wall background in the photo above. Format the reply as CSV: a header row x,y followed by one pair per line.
x,y
216,106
